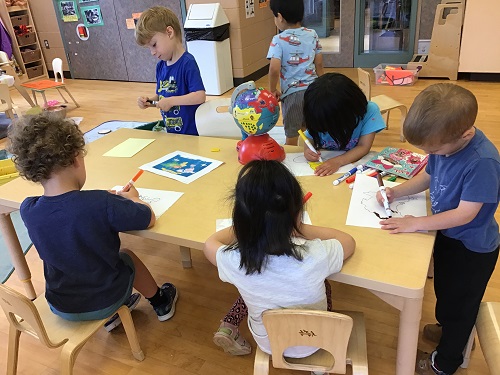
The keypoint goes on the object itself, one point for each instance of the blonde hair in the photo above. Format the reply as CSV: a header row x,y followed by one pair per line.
x,y
440,114
156,20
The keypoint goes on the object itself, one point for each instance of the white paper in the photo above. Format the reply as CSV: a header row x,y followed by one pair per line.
x,y
299,166
226,223
182,166
364,208
159,200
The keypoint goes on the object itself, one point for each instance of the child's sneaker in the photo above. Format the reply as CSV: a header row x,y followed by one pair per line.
x,y
228,338
425,364
115,320
167,310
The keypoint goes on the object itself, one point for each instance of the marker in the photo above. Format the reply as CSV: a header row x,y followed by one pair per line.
x,y
132,181
311,147
384,195
351,179
306,197
152,102
346,175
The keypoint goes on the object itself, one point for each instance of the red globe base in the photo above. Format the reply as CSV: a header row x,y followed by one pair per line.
x,y
259,147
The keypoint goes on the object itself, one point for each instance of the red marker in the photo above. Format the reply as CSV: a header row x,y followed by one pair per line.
x,y
350,179
132,181
306,197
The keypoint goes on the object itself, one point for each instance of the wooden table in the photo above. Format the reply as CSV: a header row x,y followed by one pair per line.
x,y
393,267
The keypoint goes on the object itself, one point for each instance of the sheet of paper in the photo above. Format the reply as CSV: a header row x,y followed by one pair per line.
x,y
365,211
182,166
159,200
225,223
128,148
299,166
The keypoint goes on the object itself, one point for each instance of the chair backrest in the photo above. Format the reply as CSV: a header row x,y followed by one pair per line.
x,y
214,120
57,68
364,83
322,329
5,99
4,58
22,313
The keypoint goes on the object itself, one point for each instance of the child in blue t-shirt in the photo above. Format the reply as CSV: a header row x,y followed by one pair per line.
x,y
463,178
179,88
338,117
76,232
296,61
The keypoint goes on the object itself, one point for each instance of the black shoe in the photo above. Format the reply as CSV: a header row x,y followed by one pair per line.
x,y
167,310
115,320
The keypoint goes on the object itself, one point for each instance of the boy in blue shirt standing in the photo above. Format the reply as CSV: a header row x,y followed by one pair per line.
x,y
296,61
179,88
76,232
463,177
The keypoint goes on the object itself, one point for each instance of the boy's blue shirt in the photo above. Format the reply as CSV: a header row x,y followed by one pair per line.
x,y
76,235
472,175
372,122
180,78
296,48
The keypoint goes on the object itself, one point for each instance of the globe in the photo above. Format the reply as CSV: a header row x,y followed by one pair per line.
x,y
255,110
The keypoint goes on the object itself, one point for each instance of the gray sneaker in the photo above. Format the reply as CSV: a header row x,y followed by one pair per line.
x,y
115,320
167,310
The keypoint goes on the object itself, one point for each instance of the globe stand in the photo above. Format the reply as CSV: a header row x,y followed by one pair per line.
x,y
259,147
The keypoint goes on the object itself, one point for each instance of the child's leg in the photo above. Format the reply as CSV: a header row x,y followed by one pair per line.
x,y
460,279
144,281
293,117
228,336
329,304
237,313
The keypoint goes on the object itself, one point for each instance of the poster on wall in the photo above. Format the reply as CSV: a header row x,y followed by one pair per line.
x,y
249,8
262,3
69,13
82,31
92,16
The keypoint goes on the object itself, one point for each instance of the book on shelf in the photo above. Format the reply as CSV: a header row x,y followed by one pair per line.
x,y
399,161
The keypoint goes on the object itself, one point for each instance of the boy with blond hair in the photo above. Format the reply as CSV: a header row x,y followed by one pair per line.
x,y
463,178
76,232
179,88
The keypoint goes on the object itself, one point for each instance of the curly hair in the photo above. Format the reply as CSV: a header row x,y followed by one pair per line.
x,y
43,144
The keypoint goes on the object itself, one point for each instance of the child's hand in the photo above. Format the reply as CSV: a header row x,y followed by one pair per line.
x,y
310,155
405,224
328,167
142,102
390,196
165,104
131,193
277,94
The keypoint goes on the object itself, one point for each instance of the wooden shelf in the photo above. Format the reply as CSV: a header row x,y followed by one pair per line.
x,y
16,9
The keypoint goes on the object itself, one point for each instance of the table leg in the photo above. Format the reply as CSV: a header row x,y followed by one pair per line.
x,y
16,254
186,257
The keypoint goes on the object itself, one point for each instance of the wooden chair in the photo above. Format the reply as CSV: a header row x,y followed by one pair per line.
x,y
385,103
214,120
41,86
36,319
341,338
488,331
6,102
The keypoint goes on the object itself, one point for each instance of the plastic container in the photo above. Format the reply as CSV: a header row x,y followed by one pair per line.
x,y
395,75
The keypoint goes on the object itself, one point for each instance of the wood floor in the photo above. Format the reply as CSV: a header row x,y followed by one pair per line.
x,y
183,345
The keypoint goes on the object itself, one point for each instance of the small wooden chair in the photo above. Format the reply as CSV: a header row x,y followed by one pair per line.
x,y
488,331
340,336
385,103
41,86
36,319
6,102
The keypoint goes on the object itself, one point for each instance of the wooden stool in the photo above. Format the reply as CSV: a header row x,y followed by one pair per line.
x,y
47,84
488,331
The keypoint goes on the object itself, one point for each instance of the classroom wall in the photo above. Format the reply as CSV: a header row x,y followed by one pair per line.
x,y
427,14
249,37
44,16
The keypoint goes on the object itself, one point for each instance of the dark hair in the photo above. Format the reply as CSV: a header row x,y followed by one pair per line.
x,y
291,10
267,209
333,104
42,144
440,114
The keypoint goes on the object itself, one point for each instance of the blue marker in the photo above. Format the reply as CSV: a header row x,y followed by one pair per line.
x,y
347,174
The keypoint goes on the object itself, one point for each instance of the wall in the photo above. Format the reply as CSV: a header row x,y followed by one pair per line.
x,y
44,16
427,14
249,37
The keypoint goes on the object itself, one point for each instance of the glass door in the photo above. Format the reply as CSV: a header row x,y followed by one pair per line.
x,y
385,32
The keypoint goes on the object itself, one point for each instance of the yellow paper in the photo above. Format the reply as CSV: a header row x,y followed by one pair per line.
x,y
128,148
314,164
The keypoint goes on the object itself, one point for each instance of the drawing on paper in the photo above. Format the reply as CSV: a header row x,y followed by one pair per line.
x,y
369,202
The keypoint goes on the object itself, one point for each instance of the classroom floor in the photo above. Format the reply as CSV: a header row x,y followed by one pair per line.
x,y
183,345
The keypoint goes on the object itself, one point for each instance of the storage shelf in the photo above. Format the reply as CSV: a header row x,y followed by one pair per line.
x,y
16,8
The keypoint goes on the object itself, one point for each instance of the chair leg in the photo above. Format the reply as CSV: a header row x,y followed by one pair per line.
x,y
60,93
71,96
10,114
261,363
404,111
128,325
13,351
44,98
387,119
33,92
468,348
68,357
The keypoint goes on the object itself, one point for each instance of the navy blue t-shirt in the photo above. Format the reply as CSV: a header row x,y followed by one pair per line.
x,y
472,175
76,236
181,78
